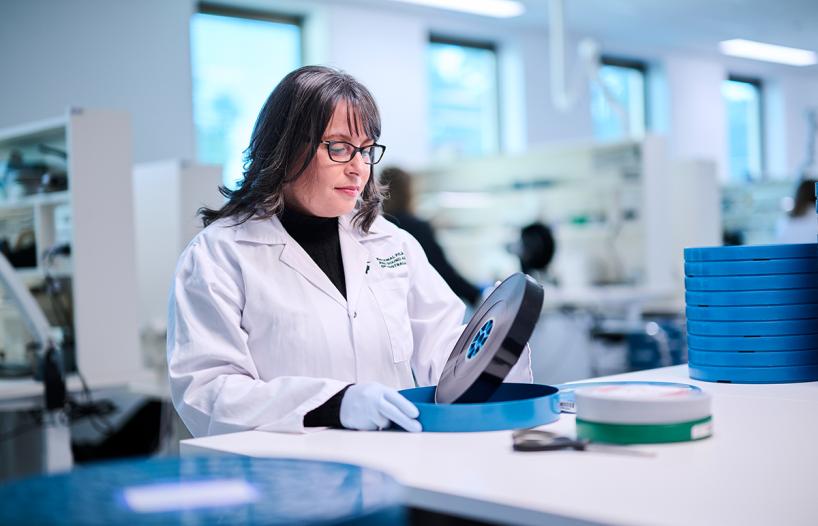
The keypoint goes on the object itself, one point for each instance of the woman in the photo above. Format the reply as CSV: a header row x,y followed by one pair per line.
x,y
298,305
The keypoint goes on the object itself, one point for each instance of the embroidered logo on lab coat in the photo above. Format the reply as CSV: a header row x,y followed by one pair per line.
x,y
396,260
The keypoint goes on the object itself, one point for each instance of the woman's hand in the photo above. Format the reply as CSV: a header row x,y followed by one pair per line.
x,y
373,406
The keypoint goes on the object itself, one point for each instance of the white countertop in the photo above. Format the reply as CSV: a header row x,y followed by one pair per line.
x,y
760,467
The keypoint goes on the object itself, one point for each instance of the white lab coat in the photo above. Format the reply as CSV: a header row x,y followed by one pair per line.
x,y
258,335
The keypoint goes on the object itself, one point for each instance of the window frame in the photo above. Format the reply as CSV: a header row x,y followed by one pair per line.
x,y
486,45
217,9
242,13
637,65
758,84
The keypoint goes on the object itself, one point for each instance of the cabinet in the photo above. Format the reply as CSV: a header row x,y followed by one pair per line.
x,y
618,211
167,195
86,210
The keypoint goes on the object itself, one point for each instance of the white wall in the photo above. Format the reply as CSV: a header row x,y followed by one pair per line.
x,y
388,56
118,54
698,121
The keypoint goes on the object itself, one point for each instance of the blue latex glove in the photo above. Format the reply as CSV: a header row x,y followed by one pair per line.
x,y
373,406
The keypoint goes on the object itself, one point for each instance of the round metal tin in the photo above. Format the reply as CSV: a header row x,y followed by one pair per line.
x,y
752,328
767,282
752,268
641,404
644,433
568,398
753,359
492,342
754,375
734,253
754,313
206,490
749,343
752,297
512,406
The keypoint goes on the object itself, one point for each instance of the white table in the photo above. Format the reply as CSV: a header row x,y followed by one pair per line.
x,y
760,467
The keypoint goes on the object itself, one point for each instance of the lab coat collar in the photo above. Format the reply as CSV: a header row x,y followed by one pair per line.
x,y
271,232
355,256
376,231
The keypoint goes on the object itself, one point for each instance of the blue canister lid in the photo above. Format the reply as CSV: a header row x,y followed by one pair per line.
x,y
753,313
752,297
512,406
206,490
754,375
753,359
752,328
759,343
744,252
768,282
752,267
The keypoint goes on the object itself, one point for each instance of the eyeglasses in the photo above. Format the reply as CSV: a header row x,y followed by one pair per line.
x,y
343,152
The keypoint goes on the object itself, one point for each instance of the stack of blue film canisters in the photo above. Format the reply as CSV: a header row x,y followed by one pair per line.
x,y
752,313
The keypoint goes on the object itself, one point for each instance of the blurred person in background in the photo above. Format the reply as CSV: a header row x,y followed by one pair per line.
x,y
398,207
801,224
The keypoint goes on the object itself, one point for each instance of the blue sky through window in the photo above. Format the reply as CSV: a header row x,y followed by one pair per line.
x,y
236,64
627,85
463,101
743,100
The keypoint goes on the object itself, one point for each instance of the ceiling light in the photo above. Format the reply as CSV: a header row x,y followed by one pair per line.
x,y
768,52
495,8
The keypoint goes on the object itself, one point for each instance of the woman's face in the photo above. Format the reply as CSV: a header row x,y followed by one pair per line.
x,y
328,188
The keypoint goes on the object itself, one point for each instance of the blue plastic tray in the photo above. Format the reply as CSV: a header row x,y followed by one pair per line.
x,y
762,343
752,328
753,267
752,297
512,406
756,313
800,250
767,282
753,359
754,375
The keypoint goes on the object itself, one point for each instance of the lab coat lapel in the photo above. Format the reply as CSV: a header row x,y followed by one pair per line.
x,y
356,261
294,256
356,256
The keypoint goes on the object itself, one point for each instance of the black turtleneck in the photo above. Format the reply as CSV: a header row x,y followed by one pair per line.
x,y
318,236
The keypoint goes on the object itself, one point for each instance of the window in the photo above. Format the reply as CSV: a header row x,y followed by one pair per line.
x,y
237,57
625,83
463,99
742,97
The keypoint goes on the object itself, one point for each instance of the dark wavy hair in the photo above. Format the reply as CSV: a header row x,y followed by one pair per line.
x,y
399,197
286,136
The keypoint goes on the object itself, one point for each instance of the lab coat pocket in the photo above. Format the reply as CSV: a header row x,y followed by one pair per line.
x,y
391,298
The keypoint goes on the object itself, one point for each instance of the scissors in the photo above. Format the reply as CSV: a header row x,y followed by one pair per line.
x,y
537,440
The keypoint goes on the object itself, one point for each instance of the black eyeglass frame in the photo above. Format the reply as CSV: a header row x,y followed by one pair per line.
x,y
355,151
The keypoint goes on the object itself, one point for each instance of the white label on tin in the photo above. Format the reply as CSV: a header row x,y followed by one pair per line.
x,y
568,406
642,392
702,430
